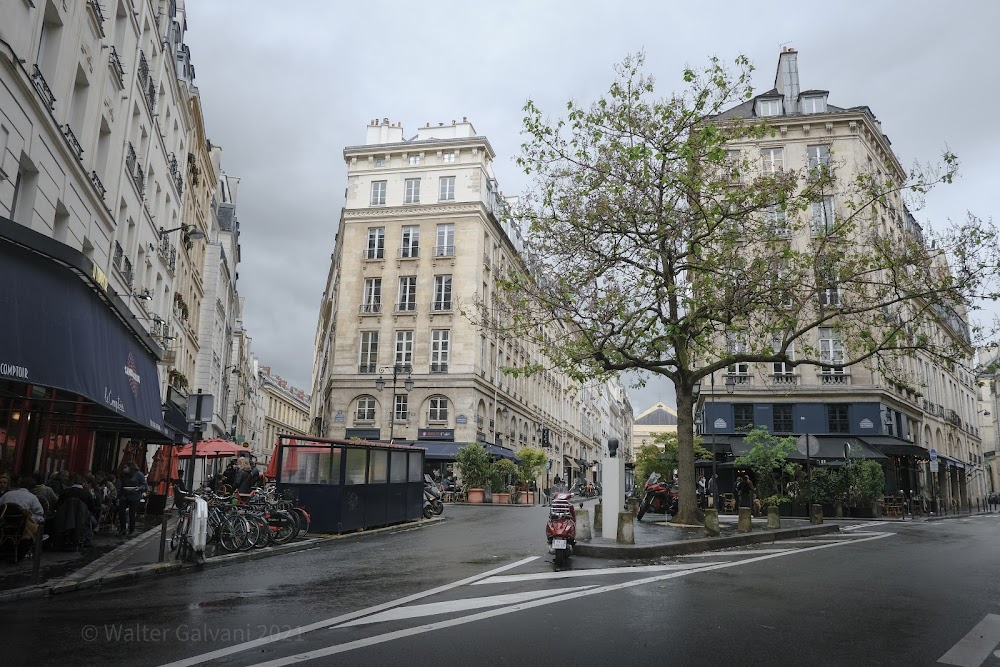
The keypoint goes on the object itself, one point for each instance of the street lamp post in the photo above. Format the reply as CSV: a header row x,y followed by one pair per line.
x,y
396,369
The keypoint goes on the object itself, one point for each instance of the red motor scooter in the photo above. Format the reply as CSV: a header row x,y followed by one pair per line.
x,y
560,531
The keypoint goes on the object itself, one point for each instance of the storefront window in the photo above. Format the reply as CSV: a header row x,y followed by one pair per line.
x,y
398,470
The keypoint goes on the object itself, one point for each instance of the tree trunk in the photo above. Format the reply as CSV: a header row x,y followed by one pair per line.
x,y
688,502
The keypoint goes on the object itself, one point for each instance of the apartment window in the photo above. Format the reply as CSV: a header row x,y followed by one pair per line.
x,y
378,193
743,416
830,296
380,163
445,240
733,166
400,410
440,348
376,243
818,156
449,156
438,409
836,418
738,346
783,367
369,352
774,160
411,194
770,107
823,218
447,185
407,300
831,349
410,243
777,221
413,160
814,104
366,409
442,293
371,301
782,418
404,347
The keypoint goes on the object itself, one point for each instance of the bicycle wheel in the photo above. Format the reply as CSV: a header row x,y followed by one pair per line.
x,y
233,534
257,532
303,518
283,527
180,531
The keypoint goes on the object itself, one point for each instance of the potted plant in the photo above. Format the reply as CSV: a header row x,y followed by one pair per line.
x,y
474,467
532,464
767,458
501,471
866,480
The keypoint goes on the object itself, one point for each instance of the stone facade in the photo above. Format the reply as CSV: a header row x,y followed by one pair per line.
x,y
285,408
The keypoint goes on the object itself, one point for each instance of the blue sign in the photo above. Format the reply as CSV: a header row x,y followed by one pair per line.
x,y
461,419
934,456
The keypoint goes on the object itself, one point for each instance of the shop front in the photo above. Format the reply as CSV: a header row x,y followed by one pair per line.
x,y
79,388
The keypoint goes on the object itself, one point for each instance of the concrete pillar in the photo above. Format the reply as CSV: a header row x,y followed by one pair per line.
x,y
614,495
583,524
598,515
963,490
712,522
816,514
773,520
745,524
626,529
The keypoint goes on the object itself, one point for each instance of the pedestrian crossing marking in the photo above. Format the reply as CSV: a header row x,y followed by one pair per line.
x,y
565,574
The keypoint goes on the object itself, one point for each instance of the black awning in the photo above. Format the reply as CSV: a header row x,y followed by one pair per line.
x,y
897,447
440,451
58,332
831,447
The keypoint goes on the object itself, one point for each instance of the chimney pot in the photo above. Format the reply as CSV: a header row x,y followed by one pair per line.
x,y
385,121
453,121
465,119
428,125
440,124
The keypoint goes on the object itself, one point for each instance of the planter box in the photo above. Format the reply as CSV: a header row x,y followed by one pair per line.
x,y
475,495
527,498
501,498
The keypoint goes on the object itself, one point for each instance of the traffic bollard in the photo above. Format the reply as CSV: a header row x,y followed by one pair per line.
x,y
163,535
36,557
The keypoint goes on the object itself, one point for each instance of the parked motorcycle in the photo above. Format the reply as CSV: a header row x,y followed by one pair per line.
x,y
560,531
661,497
433,505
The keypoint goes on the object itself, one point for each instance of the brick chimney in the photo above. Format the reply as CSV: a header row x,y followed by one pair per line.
x,y
787,79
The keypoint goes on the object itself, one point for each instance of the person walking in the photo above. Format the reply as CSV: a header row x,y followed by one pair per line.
x,y
745,491
130,488
713,485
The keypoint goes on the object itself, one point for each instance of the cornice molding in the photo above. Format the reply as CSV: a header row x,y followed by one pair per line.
x,y
414,211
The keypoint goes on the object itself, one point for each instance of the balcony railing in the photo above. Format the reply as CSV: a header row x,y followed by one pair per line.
x,y
150,95
487,260
439,367
101,190
115,63
131,161
406,307
441,306
444,251
71,139
371,308
835,378
740,379
175,171
143,71
785,378
43,88
409,253
119,253
952,417
95,7
374,253
140,181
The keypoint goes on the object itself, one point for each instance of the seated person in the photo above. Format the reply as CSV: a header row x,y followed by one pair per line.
x,y
25,498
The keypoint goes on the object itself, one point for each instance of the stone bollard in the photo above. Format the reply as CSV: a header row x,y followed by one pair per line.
x,y
598,519
626,531
773,520
745,524
633,505
816,514
839,511
712,523
583,524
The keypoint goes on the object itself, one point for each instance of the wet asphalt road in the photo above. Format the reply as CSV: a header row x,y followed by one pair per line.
x,y
884,593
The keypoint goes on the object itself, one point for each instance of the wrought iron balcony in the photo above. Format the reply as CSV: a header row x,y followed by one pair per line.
x,y
119,253
42,87
409,253
150,95
95,7
441,306
71,139
374,308
127,271
101,190
143,71
140,181
444,251
130,159
115,63
374,253
406,307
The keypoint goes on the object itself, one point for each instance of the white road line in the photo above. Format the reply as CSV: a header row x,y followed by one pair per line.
x,y
716,554
853,527
793,542
465,604
409,632
301,630
972,649
566,574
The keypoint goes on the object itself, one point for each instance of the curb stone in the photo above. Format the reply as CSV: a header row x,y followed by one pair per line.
x,y
115,578
622,551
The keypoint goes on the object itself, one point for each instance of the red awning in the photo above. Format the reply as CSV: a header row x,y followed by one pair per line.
x,y
213,449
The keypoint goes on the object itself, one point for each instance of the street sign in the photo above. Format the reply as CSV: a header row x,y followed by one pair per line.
x,y
934,466
934,456
810,441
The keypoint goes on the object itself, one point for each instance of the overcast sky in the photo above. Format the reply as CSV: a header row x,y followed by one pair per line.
x,y
286,85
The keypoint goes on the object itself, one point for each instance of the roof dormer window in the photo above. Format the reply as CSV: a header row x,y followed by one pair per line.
x,y
814,104
769,107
